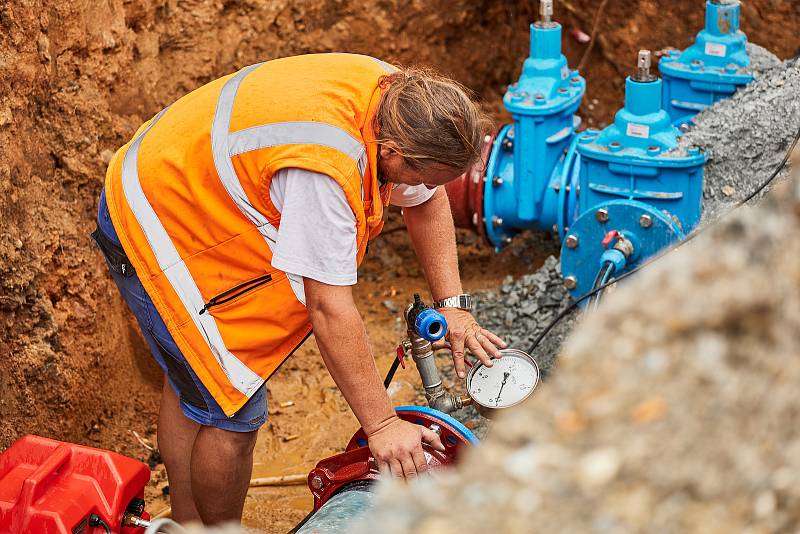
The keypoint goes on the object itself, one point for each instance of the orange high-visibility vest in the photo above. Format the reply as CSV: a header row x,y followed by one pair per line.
x,y
189,198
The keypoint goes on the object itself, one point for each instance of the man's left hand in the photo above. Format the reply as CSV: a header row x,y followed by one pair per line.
x,y
464,332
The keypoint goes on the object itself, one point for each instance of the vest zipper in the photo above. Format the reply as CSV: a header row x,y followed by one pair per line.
x,y
237,291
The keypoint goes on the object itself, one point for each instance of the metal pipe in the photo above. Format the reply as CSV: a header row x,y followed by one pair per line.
x,y
422,354
341,510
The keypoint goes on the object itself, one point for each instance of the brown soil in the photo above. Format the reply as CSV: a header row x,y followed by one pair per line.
x,y
77,80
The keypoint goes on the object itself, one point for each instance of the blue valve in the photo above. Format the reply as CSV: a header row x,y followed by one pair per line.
x,y
430,325
426,322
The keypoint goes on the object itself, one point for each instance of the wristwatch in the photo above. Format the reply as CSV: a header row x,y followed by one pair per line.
x,y
463,301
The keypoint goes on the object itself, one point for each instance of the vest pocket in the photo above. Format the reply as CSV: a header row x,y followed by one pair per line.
x,y
236,292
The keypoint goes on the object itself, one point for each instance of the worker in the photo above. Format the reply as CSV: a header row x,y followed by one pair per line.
x,y
233,224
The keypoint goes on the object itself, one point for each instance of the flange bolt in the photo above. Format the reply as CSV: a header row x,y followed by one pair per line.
x,y
497,222
571,241
507,144
645,221
497,181
570,282
601,215
317,483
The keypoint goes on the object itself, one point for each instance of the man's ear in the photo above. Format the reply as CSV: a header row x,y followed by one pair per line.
x,y
390,149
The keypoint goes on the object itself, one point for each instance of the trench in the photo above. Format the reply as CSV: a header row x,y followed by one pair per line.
x,y
73,366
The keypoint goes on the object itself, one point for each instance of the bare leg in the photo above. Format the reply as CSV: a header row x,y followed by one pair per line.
x,y
176,438
222,462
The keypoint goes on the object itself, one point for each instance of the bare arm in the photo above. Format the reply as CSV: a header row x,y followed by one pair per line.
x,y
432,232
342,341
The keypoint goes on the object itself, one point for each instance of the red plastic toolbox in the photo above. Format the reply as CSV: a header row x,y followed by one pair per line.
x,y
51,487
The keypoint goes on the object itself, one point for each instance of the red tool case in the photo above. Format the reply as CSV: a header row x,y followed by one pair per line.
x,y
51,487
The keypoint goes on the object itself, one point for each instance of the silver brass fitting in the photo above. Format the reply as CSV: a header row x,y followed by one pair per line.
x,y
546,13
643,73
624,245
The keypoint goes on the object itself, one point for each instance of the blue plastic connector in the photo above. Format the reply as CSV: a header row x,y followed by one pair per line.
x,y
616,258
430,325
712,69
523,172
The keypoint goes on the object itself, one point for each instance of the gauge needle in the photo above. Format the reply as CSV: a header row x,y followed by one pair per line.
x,y
505,377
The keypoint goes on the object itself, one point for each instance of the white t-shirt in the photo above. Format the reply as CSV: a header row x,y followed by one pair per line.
x,y
317,234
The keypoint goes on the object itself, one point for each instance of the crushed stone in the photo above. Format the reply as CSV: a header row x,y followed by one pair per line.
x,y
746,136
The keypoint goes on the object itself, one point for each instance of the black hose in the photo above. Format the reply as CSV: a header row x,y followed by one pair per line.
x,y
390,374
603,277
97,521
574,304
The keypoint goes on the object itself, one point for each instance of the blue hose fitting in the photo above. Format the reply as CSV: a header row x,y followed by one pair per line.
x,y
430,325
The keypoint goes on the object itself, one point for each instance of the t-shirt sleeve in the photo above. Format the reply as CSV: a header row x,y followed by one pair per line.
x,y
406,196
317,233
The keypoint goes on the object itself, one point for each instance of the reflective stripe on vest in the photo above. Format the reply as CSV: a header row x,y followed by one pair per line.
x,y
225,145
241,377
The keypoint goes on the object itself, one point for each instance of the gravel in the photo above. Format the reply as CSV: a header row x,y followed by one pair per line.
x,y
746,136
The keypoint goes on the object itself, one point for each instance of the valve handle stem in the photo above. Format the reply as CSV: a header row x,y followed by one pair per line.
x,y
546,11
644,63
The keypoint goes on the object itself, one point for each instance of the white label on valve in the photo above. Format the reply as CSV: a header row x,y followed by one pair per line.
x,y
641,131
716,49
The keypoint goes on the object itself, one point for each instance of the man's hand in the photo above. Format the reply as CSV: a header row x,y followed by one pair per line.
x,y
397,447
464,332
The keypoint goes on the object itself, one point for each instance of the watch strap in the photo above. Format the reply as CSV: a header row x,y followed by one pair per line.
x,y
463,301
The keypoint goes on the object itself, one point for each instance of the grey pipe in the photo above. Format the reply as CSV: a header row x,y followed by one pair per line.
x,y
422,354
341,511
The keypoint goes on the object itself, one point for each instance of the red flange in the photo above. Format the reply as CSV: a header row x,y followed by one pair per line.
x,y
466,192
357,463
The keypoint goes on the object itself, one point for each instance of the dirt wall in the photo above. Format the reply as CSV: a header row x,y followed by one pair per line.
x,y
77,79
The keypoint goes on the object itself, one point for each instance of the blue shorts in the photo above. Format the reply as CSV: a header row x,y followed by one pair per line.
x,y
195,400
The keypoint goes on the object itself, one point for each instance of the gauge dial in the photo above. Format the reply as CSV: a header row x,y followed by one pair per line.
x,y
509,381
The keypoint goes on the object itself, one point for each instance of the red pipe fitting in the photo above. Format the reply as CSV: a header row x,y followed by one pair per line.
x,y
466,192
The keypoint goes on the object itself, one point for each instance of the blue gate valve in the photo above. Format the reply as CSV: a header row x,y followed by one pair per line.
x,y
519,187
712,69
631,184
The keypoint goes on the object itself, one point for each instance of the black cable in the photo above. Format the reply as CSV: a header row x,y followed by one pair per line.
x,y
390,374
692,235
97,521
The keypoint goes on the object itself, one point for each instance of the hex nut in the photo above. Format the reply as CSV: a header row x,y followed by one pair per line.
x,y
601,215
317,483
570,282
571,241
645,221
497,222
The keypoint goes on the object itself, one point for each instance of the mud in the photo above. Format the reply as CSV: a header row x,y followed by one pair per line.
x,y
77,80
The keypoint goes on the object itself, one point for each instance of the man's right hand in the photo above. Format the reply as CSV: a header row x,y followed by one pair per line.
x,y
397,447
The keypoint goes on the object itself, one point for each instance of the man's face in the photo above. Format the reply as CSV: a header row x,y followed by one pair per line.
x,y
393,168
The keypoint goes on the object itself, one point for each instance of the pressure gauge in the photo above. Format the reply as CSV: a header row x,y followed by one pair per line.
x,y
509,381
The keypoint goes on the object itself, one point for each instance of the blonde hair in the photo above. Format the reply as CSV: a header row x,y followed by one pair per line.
x,y
431,119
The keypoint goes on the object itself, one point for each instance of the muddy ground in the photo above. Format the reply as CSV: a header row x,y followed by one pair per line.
x,y
77,79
